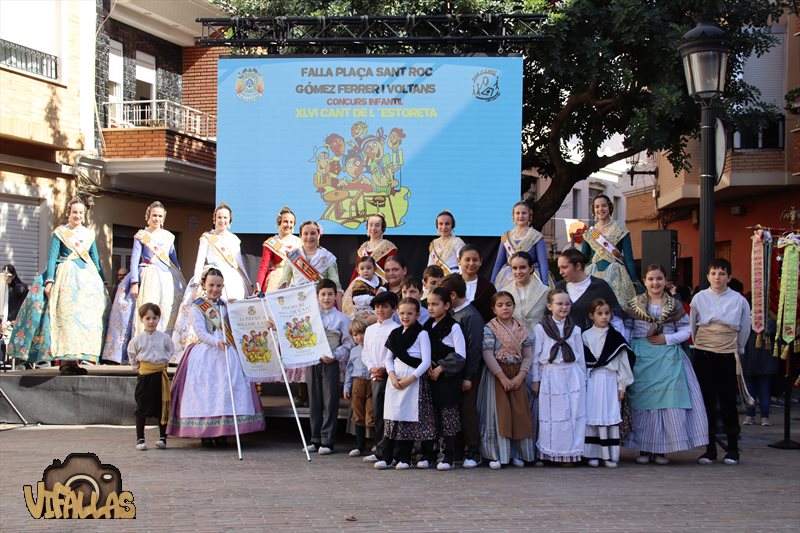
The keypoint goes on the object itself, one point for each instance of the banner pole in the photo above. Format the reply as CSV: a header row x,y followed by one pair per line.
x,y
230,386
285,379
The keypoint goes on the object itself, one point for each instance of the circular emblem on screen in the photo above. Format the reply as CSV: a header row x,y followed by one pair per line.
x,y
486,85
249,85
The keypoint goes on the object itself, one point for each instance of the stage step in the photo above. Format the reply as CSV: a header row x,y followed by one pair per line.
x,y
103,396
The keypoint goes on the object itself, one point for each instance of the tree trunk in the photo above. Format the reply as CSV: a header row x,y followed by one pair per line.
x,y
550,202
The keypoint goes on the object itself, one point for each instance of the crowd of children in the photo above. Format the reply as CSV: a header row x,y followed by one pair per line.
x,y
451,369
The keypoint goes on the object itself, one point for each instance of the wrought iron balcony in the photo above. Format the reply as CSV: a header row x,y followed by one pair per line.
x,y
23,58
161,114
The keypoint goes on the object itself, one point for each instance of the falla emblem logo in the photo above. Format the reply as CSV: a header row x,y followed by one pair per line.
x,y
80,487
249,85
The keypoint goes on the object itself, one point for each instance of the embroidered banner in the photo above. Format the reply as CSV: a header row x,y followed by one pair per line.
x,y
300,332
253,343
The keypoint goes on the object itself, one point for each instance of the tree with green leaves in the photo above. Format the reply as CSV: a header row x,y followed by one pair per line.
x,y
602,68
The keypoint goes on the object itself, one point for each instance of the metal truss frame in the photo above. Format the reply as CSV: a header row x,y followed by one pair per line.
x,y
411,30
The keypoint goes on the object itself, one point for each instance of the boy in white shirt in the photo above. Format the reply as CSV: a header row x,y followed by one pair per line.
x,y
720,321
373,356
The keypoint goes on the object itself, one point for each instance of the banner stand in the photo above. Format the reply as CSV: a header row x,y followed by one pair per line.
x,y
230,388
277,346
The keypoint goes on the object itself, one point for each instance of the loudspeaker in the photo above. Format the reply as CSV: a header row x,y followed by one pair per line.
x,y
660,247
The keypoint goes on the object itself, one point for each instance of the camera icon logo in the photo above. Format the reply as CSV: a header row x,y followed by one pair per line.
x,y
80,487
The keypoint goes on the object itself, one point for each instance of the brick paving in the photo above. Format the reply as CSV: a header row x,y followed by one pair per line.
x,y
188,488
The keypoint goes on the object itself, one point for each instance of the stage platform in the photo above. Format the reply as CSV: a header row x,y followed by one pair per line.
x,y
103,396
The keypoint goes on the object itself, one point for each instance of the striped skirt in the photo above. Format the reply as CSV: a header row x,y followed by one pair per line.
x,y
671,430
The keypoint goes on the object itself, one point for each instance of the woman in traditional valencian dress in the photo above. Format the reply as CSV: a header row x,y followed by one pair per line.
x,y
529,295
607,245
201,391
70,319
523,238
310,264
444,249
666,403
155,277
219,248
274,254
376,247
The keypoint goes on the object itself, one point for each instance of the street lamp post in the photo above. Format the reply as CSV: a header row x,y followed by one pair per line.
x,y
704,50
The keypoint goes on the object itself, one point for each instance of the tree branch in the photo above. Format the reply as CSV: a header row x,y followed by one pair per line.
x,y
554,138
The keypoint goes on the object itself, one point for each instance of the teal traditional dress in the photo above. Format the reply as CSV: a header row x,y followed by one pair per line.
x,y
69,324
611,258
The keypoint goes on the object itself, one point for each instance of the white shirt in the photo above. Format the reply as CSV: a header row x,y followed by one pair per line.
x,y
541,349
156,348
374,353
472,287
595,339
727,307
455,340
421,349
576,289
334,320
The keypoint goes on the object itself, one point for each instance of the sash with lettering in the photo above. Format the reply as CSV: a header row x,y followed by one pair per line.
x,y
437,257
218,243
213,315
603,246
525,244
72,240
274,245
303,266
146,238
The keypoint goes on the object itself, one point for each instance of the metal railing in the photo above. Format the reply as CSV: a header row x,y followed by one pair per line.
x,y
23,58
161,114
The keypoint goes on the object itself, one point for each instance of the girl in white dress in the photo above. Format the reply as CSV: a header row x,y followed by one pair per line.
x,y
201,400
155,277
608,358
559,380
219,248
408,407
443,250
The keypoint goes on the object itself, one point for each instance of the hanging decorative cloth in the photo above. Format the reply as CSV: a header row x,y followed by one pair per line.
x,y
757,282
787,305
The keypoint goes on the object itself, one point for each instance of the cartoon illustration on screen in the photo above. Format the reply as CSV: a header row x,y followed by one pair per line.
x,y
361,177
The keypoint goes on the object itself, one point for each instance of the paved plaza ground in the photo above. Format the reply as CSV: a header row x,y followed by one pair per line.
x,y
189,488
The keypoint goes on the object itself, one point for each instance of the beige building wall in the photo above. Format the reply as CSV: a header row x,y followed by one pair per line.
x,y
40,110
187,222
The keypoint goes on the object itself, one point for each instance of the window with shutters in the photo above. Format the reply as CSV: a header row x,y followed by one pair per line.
x,y
36,52
19,225
114,84
767,73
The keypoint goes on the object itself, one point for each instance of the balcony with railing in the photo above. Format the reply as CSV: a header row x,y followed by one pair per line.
x,y
28,60
160,142
161,114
